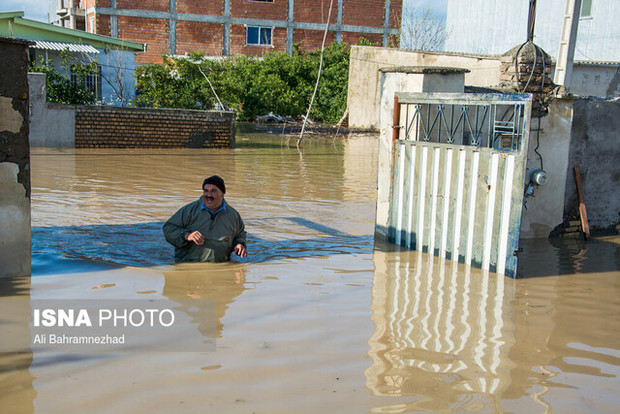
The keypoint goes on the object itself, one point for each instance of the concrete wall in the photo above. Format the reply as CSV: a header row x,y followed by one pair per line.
x,y
595,149
51,125
596,80
576,133
364,93
544,208
14,159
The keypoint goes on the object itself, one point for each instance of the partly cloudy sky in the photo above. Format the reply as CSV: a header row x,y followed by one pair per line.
x,y
33,9
39,9
438,7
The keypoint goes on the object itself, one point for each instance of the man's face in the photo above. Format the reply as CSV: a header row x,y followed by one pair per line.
x,y
212,197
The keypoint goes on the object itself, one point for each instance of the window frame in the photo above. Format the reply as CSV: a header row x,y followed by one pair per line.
x,y
261,31
92,82
586,7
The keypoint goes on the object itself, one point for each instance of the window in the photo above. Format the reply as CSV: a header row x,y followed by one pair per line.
x,y
92,81
586,8
256,35
91,25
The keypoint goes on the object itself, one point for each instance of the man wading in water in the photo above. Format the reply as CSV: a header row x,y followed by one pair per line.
x,y
207,230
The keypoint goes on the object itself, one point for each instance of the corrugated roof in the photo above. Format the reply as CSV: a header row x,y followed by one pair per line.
x,y
72,47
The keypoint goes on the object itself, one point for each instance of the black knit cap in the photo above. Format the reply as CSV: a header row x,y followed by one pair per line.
x,y
215,180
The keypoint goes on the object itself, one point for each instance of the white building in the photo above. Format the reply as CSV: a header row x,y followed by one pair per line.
x,y
496,26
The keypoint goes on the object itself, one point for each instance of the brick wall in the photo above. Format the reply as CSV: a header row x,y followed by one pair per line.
x,y
153,5
102,24
356,13
109,127
313,11
210,8
310,40
354,38
276,10
154,32
193,36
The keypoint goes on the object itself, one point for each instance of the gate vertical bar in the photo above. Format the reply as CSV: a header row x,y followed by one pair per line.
x,y
446,203
473,187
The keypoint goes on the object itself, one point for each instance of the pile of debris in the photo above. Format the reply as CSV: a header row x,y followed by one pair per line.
x,y
527,69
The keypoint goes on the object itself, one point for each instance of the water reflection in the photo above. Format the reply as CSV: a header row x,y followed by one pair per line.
x,y
439,332
221,283
465,340
558,256
16,380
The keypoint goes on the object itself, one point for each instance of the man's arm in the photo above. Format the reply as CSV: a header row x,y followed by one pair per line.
x,y
239,242
174,230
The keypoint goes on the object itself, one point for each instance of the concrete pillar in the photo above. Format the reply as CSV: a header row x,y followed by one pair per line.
x,y
404,79
14,159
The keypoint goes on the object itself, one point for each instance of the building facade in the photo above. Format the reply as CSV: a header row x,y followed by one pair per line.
x,y
61,47
496,26
248,27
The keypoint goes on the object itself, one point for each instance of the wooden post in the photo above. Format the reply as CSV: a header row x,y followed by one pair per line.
x,y
396,120
582,205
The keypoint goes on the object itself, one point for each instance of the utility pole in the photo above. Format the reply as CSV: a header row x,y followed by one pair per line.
x,y
568,38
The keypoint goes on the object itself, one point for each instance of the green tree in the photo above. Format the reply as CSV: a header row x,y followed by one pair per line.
x,y
277,83
60,87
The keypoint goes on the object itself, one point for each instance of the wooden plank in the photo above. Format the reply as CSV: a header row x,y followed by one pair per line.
x,y
582,205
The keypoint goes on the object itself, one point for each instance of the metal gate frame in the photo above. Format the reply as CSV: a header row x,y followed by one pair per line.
x,y
458,176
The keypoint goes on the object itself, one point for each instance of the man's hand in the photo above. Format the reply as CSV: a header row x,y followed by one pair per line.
x,y
195,237
240,250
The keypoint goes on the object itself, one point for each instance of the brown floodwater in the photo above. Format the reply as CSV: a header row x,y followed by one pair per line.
x,y
318,318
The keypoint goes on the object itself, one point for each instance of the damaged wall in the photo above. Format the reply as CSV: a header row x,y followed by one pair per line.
x,y
14,159
595,149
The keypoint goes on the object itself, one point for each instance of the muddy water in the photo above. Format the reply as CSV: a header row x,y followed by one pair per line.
x,y
317,318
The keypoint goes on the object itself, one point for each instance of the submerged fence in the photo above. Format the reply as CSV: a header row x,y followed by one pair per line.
x,y
458,176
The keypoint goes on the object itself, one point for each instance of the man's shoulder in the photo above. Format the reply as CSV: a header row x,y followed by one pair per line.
x,y
231,210
193,205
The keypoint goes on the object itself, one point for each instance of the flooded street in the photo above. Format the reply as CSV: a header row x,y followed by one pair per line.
x,y
318,318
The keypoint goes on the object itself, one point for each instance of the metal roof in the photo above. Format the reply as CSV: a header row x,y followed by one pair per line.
x,y
71,47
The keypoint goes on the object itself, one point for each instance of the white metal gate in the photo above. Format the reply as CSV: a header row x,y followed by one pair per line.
x,y
458,176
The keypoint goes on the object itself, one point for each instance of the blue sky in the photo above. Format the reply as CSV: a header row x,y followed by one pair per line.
x,y
38,9
33,9
438,7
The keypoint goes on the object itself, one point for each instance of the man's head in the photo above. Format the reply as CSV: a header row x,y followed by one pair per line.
x,y
213,192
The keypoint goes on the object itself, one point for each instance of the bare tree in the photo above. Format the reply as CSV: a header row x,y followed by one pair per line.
x,y
421,30
114,71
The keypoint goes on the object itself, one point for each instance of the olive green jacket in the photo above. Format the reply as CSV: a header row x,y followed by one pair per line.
x,y
222,231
